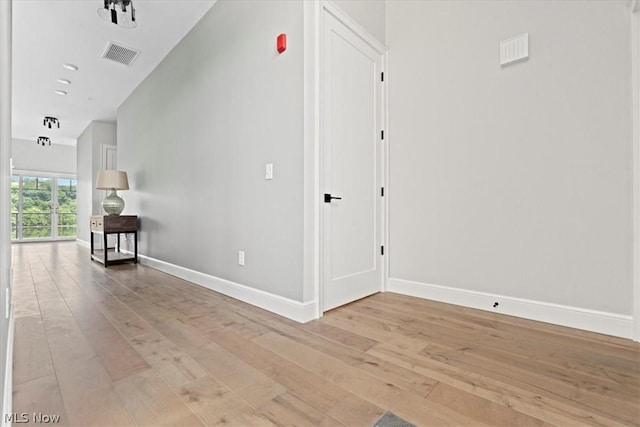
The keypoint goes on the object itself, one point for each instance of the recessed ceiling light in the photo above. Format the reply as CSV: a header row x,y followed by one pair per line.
x,y
64,81
70,67
60,92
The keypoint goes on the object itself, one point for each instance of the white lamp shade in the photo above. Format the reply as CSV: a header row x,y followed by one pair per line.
x,y
111,179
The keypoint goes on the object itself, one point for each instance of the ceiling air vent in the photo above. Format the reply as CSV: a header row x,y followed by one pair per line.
x,y
119,53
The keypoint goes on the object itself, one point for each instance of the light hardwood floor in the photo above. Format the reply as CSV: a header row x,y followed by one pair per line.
x,y
129,345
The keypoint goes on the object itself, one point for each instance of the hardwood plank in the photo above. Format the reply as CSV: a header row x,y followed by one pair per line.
x,y
622,405
40,395
125,320
117,356
344,353
175,366
151,402
568,337
66,341
352,323
25,302
181,333
31,358
485,354
407,405
287,410
211,359
353,411
253,354
217,405
250,384
316,391
435,325
488,412
340,336
89,396
404,378
552,411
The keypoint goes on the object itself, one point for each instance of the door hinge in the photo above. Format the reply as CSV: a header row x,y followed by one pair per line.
x,y
382,76
381,191
381,250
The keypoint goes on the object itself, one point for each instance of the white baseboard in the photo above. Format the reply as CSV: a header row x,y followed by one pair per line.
x,y
83,243
299,311
575,317
7,404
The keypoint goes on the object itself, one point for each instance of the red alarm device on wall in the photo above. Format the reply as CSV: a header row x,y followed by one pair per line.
x,y
281,43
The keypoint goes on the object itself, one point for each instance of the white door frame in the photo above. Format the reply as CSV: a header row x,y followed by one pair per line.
x,y
314,17
104,155
635,77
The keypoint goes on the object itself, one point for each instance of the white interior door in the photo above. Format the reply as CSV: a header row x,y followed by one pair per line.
x,y
351,165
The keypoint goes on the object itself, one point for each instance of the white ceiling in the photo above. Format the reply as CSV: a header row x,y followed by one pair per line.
x,y
50,33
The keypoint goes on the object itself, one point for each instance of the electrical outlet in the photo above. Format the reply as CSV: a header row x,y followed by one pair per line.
x,y
240,257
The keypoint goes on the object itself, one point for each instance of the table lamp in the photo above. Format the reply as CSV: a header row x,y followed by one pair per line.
x,y
112,180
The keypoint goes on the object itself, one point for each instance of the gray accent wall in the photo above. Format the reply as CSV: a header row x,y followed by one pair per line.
x,y
195,136
512,180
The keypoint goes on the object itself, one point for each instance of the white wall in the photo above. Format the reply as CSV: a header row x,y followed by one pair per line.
x,y
513,181
29,156
84,175
635,55
195,137
634,10
89,159
102,133
370,14
6,334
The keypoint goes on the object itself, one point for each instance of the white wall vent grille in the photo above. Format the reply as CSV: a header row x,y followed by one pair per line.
x,y
514,49
119,53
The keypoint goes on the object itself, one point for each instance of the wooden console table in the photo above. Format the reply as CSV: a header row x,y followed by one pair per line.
x,y
114,224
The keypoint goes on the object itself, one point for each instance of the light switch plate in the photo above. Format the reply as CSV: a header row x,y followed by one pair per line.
x,y
240,257
268,171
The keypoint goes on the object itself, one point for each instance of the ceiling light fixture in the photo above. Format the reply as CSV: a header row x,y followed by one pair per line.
x,y
60,92
50,122
70,67
64,81
119,12
42,140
